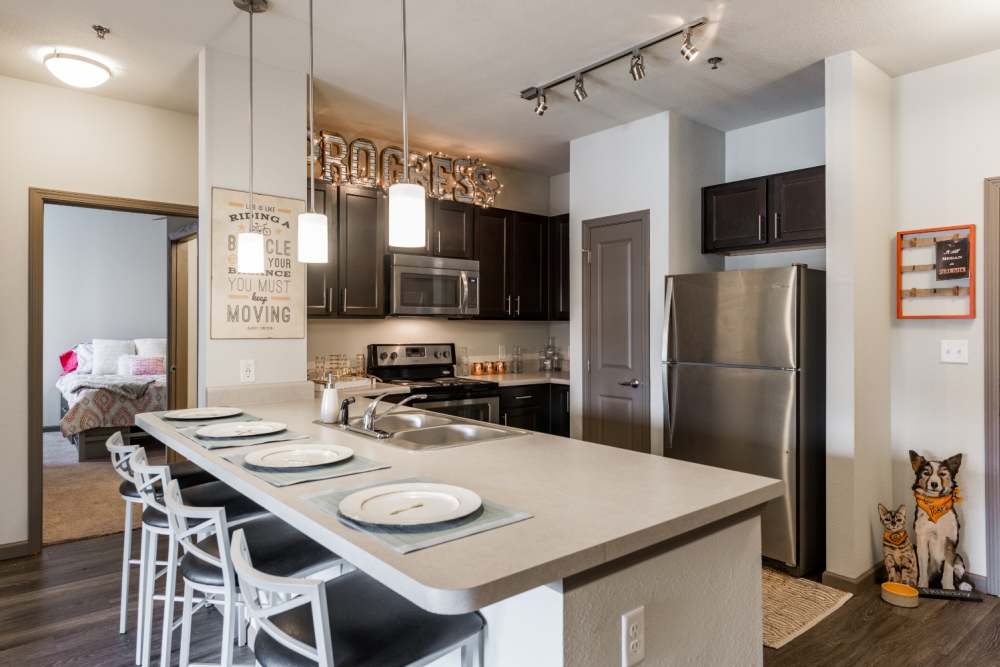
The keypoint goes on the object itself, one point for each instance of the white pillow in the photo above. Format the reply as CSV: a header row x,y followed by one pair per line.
x,y
125,364
151,347
106,353
84,358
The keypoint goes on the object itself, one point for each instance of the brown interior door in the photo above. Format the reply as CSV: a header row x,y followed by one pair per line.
x,y
616,331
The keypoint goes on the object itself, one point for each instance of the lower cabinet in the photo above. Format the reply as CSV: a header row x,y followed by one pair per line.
x,y
525,407
559,410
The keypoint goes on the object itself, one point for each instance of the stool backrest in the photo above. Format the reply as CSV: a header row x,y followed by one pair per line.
x,y
149,479
260,589
120,455
188,524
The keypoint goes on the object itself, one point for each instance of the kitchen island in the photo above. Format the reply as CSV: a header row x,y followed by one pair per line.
x,y
612,530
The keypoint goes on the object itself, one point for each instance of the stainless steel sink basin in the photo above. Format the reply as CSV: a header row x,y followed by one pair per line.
x,y
450,435
406,421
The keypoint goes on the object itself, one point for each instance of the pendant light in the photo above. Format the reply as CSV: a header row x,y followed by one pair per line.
x,y
313,228
407,212
250,244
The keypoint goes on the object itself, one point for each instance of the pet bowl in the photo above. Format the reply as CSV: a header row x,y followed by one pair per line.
x,y
900,595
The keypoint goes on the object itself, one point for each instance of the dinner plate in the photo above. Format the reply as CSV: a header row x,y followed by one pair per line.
x,y
298,455
410,504
240,429
202,413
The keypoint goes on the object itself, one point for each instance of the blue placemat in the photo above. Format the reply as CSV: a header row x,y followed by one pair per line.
x,y
353,466
414,538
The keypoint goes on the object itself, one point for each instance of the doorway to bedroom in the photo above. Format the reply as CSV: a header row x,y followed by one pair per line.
x,y
118,337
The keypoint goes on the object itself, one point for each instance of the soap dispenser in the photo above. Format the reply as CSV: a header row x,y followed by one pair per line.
x,y
330,404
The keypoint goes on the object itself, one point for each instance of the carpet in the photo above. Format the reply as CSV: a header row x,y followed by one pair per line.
x,y
80,500
793,606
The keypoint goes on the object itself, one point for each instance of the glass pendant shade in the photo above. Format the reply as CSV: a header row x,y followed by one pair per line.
x,y
250,253
313,238
407,216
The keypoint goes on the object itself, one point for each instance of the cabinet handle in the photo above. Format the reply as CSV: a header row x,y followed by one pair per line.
x,y
760,226
345,299
505,419
329,305
521,398
777,227
566,396
508,305
439,241
517,313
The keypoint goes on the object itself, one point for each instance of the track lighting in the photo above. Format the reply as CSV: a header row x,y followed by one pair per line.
x,y
637,68
688,49
579,92
541,106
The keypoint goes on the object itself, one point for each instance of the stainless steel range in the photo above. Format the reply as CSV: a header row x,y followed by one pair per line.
x,y
430,369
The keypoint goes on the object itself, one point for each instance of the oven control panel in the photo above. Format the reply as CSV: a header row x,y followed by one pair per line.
x,y
438,354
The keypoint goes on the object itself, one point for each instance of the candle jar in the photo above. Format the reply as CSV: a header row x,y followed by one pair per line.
x,y
477,368
500,367
487,368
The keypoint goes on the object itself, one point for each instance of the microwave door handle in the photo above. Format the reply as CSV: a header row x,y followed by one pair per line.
x,y
464,307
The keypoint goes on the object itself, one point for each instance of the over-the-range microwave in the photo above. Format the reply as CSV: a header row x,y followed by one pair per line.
x,y
440,286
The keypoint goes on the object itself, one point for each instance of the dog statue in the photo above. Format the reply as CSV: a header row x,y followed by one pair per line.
x,y
898,556
936,525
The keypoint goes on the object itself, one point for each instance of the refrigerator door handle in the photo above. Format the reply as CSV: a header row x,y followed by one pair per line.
x,y
668,420
668,307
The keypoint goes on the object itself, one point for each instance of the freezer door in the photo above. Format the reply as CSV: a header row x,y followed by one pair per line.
x,y
741,419
744,318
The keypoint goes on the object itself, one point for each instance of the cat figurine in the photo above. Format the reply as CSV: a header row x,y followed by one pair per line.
x,y
898,554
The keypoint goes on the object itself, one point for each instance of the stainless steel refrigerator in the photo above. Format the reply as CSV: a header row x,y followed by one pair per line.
x,y
744,387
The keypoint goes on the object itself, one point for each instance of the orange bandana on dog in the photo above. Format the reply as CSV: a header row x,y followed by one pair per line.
x,y
895,538
937,506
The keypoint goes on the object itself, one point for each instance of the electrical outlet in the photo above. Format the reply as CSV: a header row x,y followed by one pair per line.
x,y
633,637
954,352
248,371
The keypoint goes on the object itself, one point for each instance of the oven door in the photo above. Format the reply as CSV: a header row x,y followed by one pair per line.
x,y
484,409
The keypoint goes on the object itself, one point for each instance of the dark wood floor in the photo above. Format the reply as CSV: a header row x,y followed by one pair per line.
x,y
62,609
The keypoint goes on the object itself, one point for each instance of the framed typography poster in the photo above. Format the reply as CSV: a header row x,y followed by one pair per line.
x,y
256,305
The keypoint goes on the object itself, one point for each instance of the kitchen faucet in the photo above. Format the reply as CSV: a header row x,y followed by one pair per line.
x,y
368,421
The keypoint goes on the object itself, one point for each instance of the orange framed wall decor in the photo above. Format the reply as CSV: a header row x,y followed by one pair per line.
x,y
936,273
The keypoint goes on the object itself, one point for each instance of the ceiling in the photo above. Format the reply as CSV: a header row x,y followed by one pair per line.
x,y
470,58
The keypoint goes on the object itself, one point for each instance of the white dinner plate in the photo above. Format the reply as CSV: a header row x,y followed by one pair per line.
x,y
240,429
194,414
299,455
410,504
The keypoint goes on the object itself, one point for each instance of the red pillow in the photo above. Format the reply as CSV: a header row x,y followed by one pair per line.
x,y
69,361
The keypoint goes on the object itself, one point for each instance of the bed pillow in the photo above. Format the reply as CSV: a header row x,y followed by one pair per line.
x,y
147,366
68,361
151,347
106,353
84,358
125,364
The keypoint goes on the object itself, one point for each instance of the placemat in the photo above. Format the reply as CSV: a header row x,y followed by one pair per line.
x,y
223,443
353,466
414,538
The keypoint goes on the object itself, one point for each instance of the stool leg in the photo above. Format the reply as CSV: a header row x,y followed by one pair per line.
x,y
241,625
126,557
229,621
141,606
168,601
150,591
186,625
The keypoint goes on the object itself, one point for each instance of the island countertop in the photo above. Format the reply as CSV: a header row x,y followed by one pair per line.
x,y
591,503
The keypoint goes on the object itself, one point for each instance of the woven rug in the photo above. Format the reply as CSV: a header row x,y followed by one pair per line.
x,y
793,606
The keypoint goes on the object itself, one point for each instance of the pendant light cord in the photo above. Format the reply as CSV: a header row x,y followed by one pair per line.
x,y
251,12
406,134
312,128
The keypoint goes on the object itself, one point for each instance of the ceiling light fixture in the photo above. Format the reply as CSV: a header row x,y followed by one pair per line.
x,y
314,231
78,71
636,68
250,243
715,61
407,207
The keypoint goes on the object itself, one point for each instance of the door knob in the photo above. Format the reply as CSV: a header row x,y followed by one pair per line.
x,y
631,383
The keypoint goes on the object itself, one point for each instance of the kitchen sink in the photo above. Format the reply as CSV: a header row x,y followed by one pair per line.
x,y
406,422
450,435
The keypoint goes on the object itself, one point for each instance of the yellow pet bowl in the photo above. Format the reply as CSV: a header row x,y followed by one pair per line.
x,y
900,595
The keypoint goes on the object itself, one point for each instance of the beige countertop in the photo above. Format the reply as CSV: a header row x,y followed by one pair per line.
x,y
519,379
591,504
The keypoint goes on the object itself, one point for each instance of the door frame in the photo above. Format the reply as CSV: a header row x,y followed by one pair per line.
x,y
587,227
173,245
991,395
37,199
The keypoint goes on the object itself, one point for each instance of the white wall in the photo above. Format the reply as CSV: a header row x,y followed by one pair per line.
x,y
105,276
62,139
947,140
559,194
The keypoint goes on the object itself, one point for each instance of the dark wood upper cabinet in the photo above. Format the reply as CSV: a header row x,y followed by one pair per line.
x,y
321,279
453,230
559,267
734,215
527,259
797,206
492,234
361,256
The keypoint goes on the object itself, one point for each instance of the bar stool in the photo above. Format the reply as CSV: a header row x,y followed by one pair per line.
x,y
207,569
350,621
187,474
150,480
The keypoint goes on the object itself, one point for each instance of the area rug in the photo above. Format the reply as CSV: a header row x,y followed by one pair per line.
x,y
793,606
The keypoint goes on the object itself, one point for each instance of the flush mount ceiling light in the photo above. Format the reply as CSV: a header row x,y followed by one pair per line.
x,y
636,68
313,228
76,70
250,243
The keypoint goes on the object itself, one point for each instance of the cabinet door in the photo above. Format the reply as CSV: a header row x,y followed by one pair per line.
x,y
492,238
527,259
797,206
321,279
733,215
559,410
361,252
525,407
453,230
559,267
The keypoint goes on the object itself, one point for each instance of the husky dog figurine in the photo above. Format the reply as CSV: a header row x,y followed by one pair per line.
x,y
898,554
936,525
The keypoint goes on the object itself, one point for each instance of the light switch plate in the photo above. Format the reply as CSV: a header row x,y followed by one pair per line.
x,y
248,370
954,351
633,637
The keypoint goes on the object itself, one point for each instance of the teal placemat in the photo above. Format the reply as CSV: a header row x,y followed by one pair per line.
x,y
223,443
353,466
414,538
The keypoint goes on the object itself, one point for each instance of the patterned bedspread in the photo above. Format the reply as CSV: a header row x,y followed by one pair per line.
x,y
91,407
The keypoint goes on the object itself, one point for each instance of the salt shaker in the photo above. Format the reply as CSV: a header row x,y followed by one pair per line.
x,y
330,403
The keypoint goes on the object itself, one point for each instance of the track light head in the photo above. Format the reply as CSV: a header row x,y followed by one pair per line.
x,y
541,104
688,50
579,92
637,68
